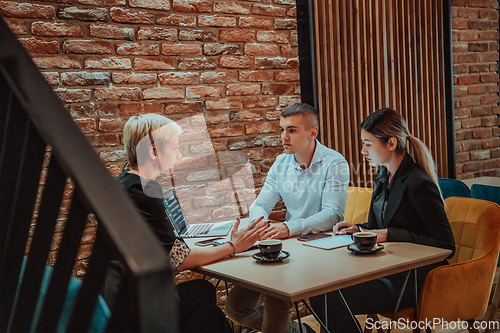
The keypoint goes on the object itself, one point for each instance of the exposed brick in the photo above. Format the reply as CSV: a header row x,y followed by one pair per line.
x,y
261,49
468,101
176,20
480,155
287,75
285,24
94,110
246,115
197,63
137,49
98,2
73,95
244,142
268,10
111,125
52,78
225,131
83,14
488,35
213,49
232,8
85,78
479,68
117,93
493,46
127,110
65,62
258,128
35,45
163,93
154,63
254,22
462,157
463,12
86,125
131,16
280,37
18,27
56,29
270,63
210,118
197,35
104,140
108,63
491,143
181,49
112,156
479,133
284,2
468,79
223,104
219,77
157,33
488,57
111,31
183,107
229,61
460,69
490,121
462,58
26,10
493,88
150,4
479,3
216,21
179,78
192,6
87,47
292,11
289,51
237,35
135,79
478,25
204,91
255,76
471,122
477,89
460,91
273,115
491,14
489,78
242,89
460,47
260,102
285,101
489,99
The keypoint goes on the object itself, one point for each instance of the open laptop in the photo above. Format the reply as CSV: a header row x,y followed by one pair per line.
x,y
174,213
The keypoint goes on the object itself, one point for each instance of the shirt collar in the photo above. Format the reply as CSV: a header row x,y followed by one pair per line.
x,y
318,156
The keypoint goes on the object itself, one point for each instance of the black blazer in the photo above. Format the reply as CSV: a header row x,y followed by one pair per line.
x,y
414,211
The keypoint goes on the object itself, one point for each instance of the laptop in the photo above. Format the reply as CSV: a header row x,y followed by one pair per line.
x,y
174,213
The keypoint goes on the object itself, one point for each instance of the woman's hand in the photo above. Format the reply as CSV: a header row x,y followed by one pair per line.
x,y
345,228
381,234
246,238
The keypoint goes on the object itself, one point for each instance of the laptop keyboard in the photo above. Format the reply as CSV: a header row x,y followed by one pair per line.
x,y
200,229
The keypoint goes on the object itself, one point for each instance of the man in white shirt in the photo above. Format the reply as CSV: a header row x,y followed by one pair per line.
x,y
312,180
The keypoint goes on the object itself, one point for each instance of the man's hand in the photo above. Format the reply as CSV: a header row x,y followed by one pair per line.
x,y
276,230
345,228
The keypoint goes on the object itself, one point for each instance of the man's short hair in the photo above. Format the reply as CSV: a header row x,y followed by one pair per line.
x,y
304,109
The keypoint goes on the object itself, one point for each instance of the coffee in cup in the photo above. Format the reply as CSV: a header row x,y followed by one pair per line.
x,y
365,240
270,248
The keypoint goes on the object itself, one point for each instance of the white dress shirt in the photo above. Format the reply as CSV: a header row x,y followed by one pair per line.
x,y
315,198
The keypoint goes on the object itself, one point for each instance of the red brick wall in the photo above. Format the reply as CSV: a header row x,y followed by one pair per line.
x,y
475,68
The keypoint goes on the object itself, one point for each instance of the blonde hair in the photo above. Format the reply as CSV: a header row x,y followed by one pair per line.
x,y
145,131
387,123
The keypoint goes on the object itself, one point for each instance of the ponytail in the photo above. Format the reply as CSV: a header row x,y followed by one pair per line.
x,y
423,158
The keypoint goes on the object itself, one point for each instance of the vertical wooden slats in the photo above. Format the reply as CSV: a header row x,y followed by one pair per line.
x,y
380,53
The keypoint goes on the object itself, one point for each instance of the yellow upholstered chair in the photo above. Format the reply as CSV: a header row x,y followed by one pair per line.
x,y
461,290
358,204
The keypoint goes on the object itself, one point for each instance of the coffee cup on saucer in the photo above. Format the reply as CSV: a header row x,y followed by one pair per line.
x,y
270,248
364,240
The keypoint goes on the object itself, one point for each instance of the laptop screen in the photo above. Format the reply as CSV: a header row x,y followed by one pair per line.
x,y
174,212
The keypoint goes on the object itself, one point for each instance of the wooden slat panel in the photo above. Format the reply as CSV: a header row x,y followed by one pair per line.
x,y
380,53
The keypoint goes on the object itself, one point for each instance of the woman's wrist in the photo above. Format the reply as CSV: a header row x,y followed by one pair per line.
x,y
233,247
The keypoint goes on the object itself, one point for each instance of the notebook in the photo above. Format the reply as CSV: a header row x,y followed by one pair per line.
x,y
174,213
329,243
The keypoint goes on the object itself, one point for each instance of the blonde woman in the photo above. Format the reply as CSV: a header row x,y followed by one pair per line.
x,y
151,148
406,206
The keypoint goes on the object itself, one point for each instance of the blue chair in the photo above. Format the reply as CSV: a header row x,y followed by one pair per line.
x,y
486,192
453,188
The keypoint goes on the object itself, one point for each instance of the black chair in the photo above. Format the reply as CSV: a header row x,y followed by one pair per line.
x,y
41,149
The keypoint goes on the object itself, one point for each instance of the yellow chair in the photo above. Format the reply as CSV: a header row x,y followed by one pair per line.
x,y
461,290
358,204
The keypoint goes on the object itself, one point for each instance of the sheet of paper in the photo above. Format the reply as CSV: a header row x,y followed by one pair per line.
x,y
329,243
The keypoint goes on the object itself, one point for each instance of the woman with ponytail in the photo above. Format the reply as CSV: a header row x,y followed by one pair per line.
x,y
406,206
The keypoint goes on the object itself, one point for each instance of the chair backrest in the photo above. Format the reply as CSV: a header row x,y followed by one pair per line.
x,y
476,227
41,148
486,192
453,188
358,204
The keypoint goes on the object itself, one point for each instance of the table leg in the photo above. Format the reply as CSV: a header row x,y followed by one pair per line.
x,y
399,300
298,316
324,325
350,312
326,310
416,299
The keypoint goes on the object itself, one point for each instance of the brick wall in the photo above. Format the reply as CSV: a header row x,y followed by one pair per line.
x,y
475,67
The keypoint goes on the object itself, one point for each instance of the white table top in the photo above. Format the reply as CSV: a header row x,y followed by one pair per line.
x,y
492,181
310,271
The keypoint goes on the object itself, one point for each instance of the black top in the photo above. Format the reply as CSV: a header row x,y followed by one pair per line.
x,y
414,211
150,205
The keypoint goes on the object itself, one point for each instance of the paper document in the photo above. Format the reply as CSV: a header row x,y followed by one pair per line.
x,y
329,243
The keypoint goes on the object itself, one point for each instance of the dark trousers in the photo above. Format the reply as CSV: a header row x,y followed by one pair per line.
x,y
199,312
370,297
